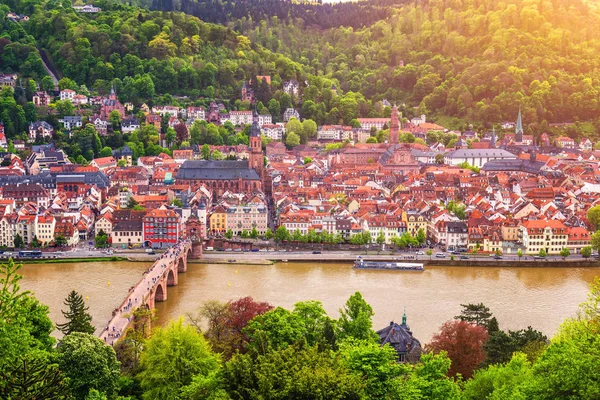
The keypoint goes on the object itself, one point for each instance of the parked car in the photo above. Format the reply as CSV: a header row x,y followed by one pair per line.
x,y
464,257
420,253
498,257
440,255
538,257
316,252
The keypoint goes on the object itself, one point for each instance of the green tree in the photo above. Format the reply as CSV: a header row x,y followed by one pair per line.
x,y
89,364
282,234
499,381
132,203
60,241
429,252
519,253
106,152
478,314
376,365
205,152
500,345
292,140
568,368
595,240
77,316
593,216
269,234
380,238
24,324
35,243
274,330
294,372
542,253
18,241
586,252
254,233
309,128
33,377
101,239
177,359
170,136
421,236
564,253
356,319
430,380
229,234
315,321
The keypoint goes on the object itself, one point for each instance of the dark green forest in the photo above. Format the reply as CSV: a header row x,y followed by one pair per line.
x,y
476,61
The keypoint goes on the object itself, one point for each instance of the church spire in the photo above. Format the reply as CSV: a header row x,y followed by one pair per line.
x,y
404,317
519,128
493,140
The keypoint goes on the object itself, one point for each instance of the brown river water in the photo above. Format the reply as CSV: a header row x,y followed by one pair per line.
x,y
518,297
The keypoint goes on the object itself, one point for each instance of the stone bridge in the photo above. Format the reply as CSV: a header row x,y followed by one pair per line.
x,y
151,288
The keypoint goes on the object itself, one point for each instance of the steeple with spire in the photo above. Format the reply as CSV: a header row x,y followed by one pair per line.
x,y
113,93
519,128
493,139
256,153
394,126
404,318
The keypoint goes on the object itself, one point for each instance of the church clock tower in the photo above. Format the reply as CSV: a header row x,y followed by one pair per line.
x,y
256,153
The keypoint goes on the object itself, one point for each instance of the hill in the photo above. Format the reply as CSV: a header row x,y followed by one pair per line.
x,y
479,60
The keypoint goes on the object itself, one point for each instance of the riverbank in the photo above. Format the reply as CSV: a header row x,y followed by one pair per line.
x,y
269,258
67,260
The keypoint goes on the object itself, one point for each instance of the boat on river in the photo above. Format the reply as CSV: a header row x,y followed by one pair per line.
x,y
387,265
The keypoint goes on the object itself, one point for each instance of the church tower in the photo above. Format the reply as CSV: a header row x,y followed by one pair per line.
x,y
519,129
113,93
394,126
493,139
256,153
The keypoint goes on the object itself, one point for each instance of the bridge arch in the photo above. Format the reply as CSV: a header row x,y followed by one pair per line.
x,y
181,264
160,293
172,277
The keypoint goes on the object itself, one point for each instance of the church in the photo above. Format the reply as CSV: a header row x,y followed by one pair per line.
x,y
239,176
400,337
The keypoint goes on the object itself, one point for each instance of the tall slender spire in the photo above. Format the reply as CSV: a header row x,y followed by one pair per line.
x,y
519,128
404,317
493,140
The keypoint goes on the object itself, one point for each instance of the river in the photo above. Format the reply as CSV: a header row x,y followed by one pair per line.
x,y
518,297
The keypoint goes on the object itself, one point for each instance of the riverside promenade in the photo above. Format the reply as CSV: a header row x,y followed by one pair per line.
x,y
152,287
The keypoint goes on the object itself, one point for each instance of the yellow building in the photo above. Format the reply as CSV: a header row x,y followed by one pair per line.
x,y
414,221
218,220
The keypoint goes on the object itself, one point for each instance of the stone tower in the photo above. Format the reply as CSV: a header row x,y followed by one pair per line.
x,y
256,153
394,126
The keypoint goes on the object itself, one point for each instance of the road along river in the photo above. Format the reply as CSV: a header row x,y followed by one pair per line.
x,y
540,297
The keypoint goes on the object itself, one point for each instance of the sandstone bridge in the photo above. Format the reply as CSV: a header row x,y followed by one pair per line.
x,y
152,287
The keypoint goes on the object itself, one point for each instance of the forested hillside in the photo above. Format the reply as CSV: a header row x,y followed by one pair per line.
x,y
153,52
475,59
354,14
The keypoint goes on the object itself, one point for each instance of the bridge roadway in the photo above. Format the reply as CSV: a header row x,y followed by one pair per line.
x,y
152,287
